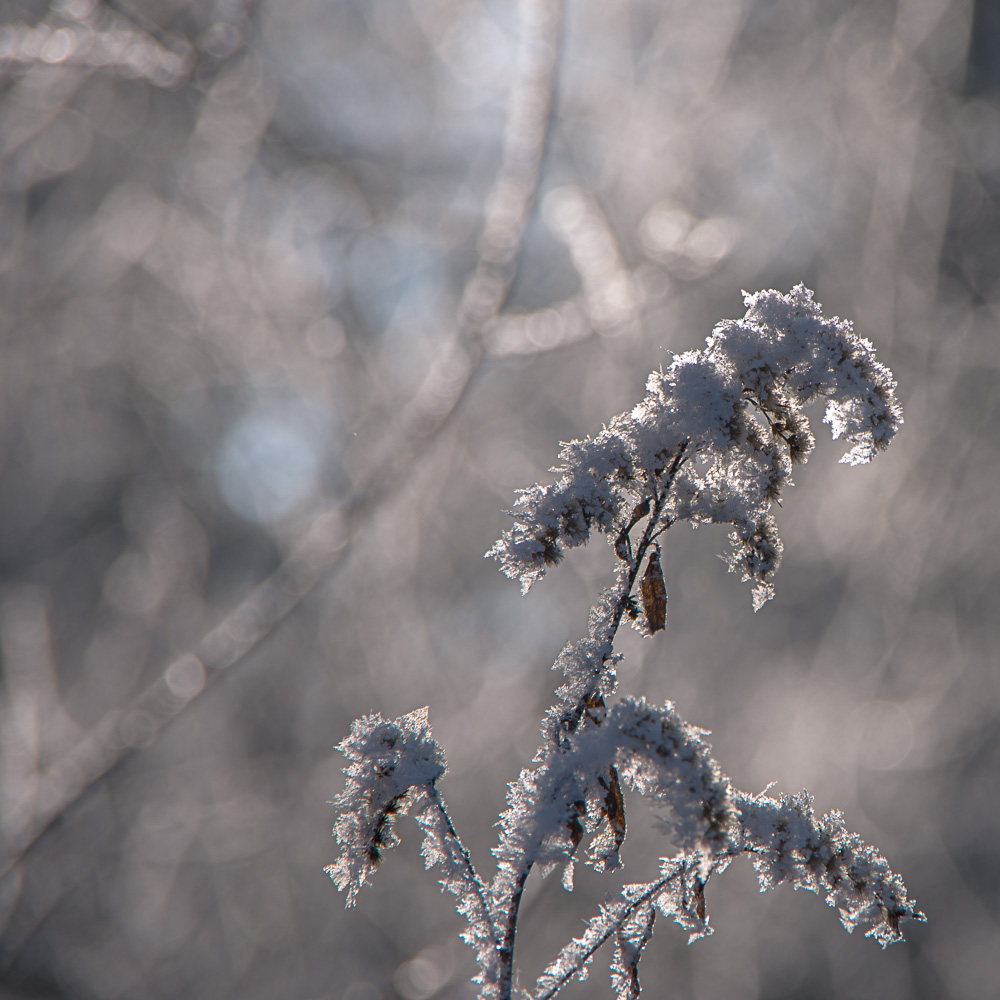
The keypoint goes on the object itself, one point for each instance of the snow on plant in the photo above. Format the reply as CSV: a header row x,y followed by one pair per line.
x,y
714,441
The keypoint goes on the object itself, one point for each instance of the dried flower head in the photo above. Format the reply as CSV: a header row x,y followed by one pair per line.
x,y
714,440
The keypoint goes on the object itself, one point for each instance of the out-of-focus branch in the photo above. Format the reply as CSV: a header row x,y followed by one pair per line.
x,y
111,38
507,209
32,717
610,300
322,548
149,27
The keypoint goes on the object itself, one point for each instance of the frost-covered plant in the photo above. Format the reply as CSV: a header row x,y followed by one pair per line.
x,y
713,441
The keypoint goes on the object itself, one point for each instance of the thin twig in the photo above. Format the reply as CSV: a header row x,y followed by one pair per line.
x,y
472,876
652,890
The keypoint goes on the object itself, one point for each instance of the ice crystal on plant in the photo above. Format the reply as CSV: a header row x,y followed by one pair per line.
x,y
390,762
737,406
789,843
655,752
714,440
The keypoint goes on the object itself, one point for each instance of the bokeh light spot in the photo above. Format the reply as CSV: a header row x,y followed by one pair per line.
x,y
269,464
881,734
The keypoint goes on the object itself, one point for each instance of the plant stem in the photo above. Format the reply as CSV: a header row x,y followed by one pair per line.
x,y
571,719
507,948
472,876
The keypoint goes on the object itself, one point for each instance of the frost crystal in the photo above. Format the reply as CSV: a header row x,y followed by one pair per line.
x,y
390,763
790,844
714,440
655,752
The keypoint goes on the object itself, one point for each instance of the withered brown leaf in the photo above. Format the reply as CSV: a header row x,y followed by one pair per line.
x,y
654,594
614,807
623,546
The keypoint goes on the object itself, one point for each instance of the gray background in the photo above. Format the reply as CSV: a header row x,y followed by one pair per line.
x,y
234,237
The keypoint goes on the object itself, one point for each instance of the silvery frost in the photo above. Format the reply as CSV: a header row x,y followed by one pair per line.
x,y
713,441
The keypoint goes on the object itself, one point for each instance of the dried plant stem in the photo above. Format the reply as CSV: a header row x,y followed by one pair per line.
x,y
594,942
783,355
510,933
458,848
654,527
571,719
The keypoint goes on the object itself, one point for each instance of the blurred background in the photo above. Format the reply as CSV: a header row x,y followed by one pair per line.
x,y
295,294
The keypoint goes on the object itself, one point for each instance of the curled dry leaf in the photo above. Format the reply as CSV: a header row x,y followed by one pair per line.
x,y
614,807
623,545
654,594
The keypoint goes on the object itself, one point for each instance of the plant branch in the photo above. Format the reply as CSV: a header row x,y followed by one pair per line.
x,y
570,718
580,951
471,875
510,933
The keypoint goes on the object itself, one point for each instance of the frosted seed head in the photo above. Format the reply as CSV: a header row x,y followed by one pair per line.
x,y
714,439
389,763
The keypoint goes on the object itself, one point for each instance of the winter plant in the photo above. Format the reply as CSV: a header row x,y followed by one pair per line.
x,y
713,441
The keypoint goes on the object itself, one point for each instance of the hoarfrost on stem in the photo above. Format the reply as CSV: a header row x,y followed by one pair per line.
x,y
737,406
714,440
790,844
390,762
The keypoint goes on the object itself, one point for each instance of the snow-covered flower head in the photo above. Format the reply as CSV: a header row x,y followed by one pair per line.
x,y
714,440
390,762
